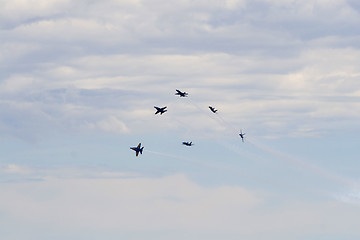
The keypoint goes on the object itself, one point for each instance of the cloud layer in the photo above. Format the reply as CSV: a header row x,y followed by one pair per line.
x,y
273,68
67,203
276,65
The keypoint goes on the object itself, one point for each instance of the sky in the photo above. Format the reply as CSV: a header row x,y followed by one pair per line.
x,y
78,84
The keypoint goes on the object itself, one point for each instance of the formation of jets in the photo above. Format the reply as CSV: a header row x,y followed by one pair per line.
x,y
162,110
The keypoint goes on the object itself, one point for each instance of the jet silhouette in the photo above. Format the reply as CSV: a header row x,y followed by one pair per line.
x,y
212,109
189,144
241,134
138,149
181,94
160,110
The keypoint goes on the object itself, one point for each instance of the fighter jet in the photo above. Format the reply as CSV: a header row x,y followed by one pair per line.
x,y
189,144
181,94
241,134
212,109
160,110
138,149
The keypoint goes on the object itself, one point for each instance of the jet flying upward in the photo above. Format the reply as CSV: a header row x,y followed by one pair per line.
x,y
160,110
189,144
181,94
213,109
241,134
138,149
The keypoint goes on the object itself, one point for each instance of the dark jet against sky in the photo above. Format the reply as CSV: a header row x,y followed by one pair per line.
x,y
241,134
212,109
160,110
189,144
138,149
181,94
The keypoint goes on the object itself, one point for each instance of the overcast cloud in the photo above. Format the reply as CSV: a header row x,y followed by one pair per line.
x,y
283,57
78,82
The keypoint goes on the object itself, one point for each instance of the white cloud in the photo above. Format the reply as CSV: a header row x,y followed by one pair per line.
x,y
315,86
272,67
130,203
253,59
70,30
111,124
25,172
15,169
76,205
11,52
235,4
19,83
18,12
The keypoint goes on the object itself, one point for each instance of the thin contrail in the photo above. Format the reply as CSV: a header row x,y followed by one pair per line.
x,y
257,178
204,112
291,160
185,159
300,164
230,147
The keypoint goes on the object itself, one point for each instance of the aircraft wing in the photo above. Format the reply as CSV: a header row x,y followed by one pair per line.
x,y
137,153
139,145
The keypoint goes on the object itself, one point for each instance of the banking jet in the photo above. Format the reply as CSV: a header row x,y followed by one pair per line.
x,y
138,149
241,134
189,144
212,109
160,110
181,94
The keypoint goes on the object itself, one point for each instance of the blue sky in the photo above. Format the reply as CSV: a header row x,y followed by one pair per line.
x,y
78,82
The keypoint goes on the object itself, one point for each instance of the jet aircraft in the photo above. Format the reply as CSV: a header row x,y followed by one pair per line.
x,y
189,144
181,94
213,109
241,134
160,110
138,149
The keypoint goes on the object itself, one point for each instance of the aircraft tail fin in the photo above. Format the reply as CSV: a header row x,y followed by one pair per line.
x,y
141,149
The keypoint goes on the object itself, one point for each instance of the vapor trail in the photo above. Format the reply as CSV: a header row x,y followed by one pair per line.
x,y
300,164
257,178
185,159
316,170
216,117
202,110
231,147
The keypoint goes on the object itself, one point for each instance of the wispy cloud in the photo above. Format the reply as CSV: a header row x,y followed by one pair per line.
x,y
266,57
71,71
22,173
